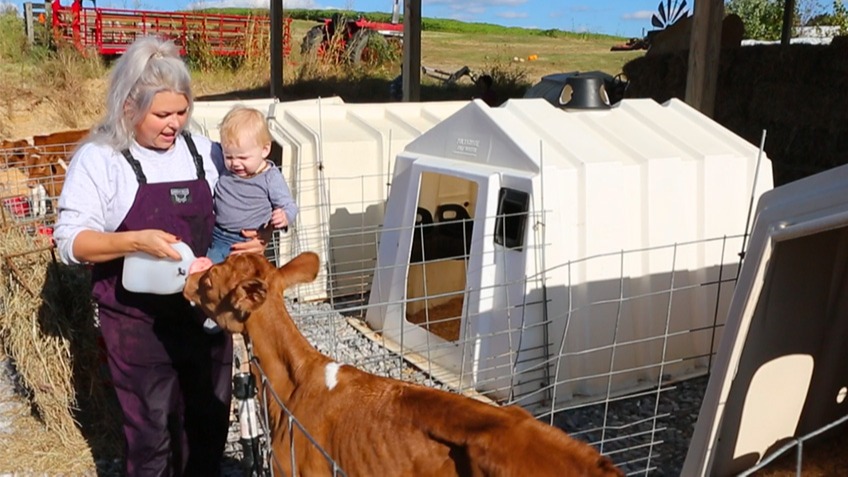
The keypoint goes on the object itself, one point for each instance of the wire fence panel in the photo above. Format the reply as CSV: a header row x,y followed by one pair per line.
x,y
30,183
594,346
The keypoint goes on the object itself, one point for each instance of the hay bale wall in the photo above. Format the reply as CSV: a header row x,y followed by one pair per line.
x,y
797,93
47,328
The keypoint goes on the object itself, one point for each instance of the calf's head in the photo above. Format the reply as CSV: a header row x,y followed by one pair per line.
x,y
233,289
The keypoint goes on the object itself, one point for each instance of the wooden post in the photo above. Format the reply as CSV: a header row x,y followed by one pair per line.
x,y
788,18
277,60
704,53
29,23
277,49
411,50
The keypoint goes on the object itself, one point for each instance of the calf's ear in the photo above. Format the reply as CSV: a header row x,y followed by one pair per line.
x,y
301,269
248,295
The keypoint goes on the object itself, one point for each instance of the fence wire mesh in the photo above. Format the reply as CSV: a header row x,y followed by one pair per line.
x,y
602,347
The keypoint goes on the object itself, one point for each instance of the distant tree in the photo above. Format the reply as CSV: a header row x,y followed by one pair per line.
x,y
822,19
840,16
763,19
807,10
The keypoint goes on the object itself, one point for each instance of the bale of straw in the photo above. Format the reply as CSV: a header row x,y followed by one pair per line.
x,y
48,329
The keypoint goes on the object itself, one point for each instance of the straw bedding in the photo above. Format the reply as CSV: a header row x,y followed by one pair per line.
x,y
443,320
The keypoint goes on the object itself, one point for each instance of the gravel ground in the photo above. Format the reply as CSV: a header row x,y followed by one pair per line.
x,y
630,424
8,403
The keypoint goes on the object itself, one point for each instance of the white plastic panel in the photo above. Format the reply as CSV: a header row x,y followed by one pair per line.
x,y
785,331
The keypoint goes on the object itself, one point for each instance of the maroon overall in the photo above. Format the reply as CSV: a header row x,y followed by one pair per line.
x,y
173,380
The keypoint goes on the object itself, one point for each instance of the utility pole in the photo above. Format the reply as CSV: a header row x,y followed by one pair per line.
x,y
277,60
788,18
277,49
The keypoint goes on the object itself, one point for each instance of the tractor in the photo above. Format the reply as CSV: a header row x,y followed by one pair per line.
x,y
353,41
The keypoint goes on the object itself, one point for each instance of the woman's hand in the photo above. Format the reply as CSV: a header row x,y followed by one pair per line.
x,y
259,239
157,243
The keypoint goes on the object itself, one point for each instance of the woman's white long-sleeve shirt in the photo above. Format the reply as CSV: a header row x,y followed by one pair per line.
x,y
100,186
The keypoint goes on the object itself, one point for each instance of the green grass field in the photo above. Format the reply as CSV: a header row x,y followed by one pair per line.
x,y
65,88
500,51
450,44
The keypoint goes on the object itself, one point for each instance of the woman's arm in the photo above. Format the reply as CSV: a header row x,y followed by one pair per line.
x,y
96,247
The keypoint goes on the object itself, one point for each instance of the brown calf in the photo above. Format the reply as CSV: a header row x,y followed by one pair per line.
x,y
371,425
71,136
13,153
47,158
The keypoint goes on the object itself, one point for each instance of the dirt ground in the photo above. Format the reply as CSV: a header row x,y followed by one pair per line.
x,y
34,113
30,110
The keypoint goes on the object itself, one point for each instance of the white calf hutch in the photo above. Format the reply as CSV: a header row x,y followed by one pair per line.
x,y
338,160
206,116
780,371
541,255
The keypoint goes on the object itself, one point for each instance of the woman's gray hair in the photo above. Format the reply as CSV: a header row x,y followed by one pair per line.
x,y
150,65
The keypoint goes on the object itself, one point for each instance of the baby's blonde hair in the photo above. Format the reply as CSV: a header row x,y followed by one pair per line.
x,y
244,124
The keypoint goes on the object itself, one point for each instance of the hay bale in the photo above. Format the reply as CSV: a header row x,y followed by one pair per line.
x,y
47,328
795,92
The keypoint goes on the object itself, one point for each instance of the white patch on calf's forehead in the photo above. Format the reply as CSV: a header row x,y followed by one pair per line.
x,y
331,374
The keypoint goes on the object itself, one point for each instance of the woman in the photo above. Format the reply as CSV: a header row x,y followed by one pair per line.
x,y
140,182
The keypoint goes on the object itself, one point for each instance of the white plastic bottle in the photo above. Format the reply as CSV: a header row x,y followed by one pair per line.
x,y
144,273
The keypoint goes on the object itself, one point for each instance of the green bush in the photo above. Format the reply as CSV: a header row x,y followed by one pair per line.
x,y
12,35
509,79
763,19
840,16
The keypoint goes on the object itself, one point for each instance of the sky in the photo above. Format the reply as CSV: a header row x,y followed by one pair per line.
x,y
625,18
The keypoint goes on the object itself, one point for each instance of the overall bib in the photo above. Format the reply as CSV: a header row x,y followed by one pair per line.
x,y
173,380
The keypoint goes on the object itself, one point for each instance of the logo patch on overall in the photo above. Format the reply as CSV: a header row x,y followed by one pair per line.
x,y
180,195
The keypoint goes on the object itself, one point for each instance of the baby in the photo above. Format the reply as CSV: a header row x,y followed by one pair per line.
x,y
252,192
252,187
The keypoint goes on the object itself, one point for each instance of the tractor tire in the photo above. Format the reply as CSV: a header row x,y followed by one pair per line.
x,y
312,40
366,46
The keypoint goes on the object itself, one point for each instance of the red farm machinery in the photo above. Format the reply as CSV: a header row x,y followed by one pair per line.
x,y
109,31
353,40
